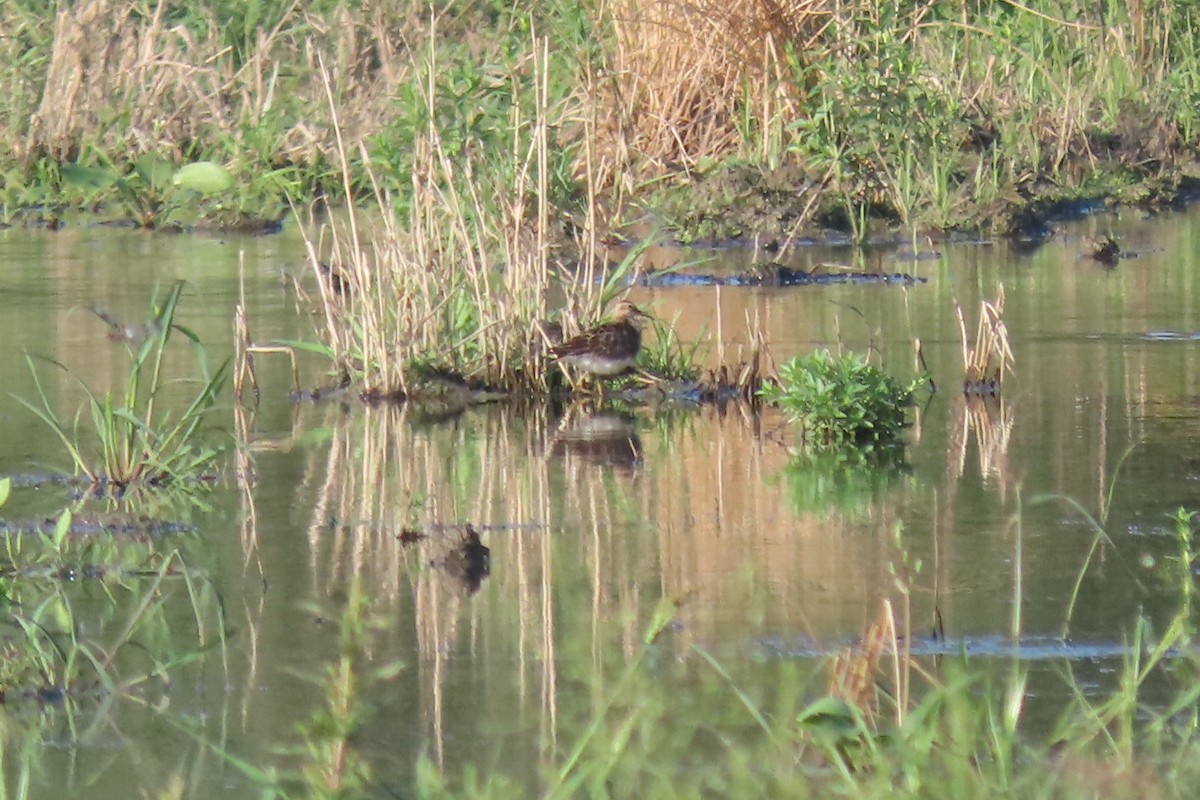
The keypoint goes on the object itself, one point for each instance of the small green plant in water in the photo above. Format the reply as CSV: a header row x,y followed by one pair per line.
x,y
669,357
137,444
840,401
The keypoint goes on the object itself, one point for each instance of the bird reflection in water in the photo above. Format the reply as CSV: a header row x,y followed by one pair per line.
x,y
605,438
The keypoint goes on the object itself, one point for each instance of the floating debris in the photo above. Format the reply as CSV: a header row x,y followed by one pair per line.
x,y
775,274
457,551
1102,248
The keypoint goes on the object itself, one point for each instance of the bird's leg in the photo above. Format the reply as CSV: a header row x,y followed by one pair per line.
x,y
647,377
572,381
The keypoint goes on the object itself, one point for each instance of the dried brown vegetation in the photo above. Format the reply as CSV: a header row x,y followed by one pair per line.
x,y
129,80
985,361
680,75
457,282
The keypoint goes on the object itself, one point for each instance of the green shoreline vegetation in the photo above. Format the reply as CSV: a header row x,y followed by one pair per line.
x,y
945,116
506,143
503,140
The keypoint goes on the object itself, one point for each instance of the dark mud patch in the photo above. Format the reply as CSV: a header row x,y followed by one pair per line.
x,y
774,274
743,202
104,488
59,218
438,393
70,573
449,395
50,695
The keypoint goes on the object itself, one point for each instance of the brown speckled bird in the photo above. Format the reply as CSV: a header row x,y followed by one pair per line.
x,y
607,349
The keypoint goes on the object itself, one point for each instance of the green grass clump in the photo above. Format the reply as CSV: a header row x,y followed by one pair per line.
x,y
840,401
136,443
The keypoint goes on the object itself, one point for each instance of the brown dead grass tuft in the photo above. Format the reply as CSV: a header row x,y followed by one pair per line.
x,y
681,74
460,282
986,361
853,673
129,82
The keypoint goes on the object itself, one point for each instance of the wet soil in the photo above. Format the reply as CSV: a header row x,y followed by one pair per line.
x,y
773,207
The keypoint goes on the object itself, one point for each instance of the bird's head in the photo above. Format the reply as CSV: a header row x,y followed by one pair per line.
x,y
625,311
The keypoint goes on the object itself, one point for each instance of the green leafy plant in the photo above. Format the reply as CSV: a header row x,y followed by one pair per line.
x,y
840,401
137,444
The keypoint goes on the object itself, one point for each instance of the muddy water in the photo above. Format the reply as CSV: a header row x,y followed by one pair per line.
x,y
592,518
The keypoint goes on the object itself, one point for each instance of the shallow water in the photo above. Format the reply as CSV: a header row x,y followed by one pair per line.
x,y
591,521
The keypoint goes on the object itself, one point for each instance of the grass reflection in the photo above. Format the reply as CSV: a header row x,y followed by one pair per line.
x,y
94,623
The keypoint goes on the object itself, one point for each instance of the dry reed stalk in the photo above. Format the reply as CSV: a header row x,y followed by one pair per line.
x,y
744,373
122,78
990,356
460,283
244,347
682,75
852,672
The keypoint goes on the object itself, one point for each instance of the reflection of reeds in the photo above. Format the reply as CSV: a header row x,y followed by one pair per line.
x,y
991,424
389,499
985,361
583,542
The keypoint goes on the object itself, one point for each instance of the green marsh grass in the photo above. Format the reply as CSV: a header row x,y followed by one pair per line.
x,y
136,442
943,116
926,115
669,357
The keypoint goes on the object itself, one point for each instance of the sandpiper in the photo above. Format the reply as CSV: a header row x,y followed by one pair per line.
x,y
607,349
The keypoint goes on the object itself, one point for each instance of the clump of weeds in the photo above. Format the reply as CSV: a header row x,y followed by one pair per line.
x,y
136,442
